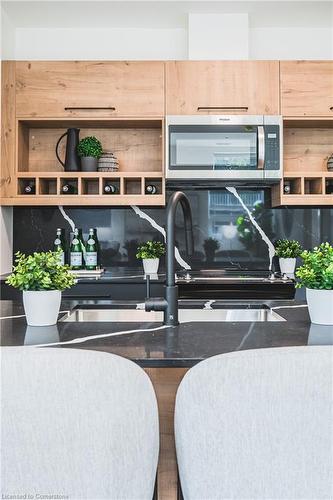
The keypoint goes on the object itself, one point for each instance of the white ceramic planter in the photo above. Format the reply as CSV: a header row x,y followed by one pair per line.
x,y
287,266
320,304
150,266
42,308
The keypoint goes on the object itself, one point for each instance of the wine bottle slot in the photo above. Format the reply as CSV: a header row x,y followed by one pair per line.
x,y
111,189
68,189
29,188
151,189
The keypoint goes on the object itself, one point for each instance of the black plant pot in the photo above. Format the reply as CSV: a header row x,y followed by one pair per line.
x,y
89,164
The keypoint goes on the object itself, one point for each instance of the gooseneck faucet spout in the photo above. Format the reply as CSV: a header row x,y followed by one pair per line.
x,y
176,198
170,303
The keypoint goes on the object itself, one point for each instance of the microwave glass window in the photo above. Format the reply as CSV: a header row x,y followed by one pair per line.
x,y
219,150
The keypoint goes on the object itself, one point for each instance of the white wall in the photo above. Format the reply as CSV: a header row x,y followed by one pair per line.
x,y
7,37
291,43
136,43
100,43
162,29
218,36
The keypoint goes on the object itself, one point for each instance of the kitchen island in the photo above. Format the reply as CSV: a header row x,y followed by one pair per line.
x,y
151,345
165,352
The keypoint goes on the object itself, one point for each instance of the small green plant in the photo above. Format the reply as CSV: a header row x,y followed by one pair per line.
x,y
40,271
150,250
211,245
288,249
89,146
317,269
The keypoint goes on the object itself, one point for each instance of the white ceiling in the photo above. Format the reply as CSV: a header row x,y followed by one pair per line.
x,y
162,14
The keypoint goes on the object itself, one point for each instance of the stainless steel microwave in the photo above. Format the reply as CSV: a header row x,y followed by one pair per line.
x,y
224,147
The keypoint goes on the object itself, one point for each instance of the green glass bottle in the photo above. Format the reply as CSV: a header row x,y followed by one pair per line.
x,y
76,254
98,248
91,251
83,247
59,244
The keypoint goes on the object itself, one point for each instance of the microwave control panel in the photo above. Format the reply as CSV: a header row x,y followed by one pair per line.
x,y
272,147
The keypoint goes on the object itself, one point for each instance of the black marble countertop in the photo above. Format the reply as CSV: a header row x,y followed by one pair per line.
x,y
152,345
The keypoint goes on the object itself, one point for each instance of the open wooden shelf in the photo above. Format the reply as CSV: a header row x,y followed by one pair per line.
x,y
308,188
307,144
136,142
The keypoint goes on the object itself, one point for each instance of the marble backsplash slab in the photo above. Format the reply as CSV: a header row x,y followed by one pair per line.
x,y
240,230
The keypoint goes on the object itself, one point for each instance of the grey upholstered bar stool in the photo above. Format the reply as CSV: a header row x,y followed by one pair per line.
x,y
82,424
257,425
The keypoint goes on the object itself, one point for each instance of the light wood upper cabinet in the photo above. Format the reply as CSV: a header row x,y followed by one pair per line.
x,y
222,87
89,88
306,88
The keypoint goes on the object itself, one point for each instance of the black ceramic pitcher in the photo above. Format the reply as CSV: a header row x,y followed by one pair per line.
x,y
72,160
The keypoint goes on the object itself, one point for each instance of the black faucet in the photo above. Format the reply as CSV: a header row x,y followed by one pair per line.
x,y
169,303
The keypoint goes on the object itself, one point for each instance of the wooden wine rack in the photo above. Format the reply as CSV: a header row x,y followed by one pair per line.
x,y
89,187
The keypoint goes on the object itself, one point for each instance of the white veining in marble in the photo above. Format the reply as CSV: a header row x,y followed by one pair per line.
x,y
66,217
156,226
288,307
244,339
13,317
271,248
80,340
72,225
23,315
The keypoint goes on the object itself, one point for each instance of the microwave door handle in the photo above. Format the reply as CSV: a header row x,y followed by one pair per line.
x,y
261,147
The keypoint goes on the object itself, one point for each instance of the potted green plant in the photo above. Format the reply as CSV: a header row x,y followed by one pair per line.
x,y
150,253
42,278
89,149
316,275
287,251
211,245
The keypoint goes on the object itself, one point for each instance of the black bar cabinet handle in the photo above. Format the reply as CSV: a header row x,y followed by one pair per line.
x,y
331,108
203,108
73,108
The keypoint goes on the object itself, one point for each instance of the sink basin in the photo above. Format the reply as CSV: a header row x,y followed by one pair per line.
x,y
185,315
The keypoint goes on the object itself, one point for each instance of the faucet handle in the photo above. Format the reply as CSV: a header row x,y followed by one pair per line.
x,y
156,304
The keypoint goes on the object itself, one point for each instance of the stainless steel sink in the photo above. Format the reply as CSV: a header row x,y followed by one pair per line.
x,y
185,315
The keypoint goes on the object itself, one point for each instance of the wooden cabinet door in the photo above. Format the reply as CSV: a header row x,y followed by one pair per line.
x,y
89,88
222,87
306,88
8,130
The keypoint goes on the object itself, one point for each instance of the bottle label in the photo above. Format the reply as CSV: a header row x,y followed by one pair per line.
x,y
76,259
91,241
62,259
91,259
57,241
75,241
